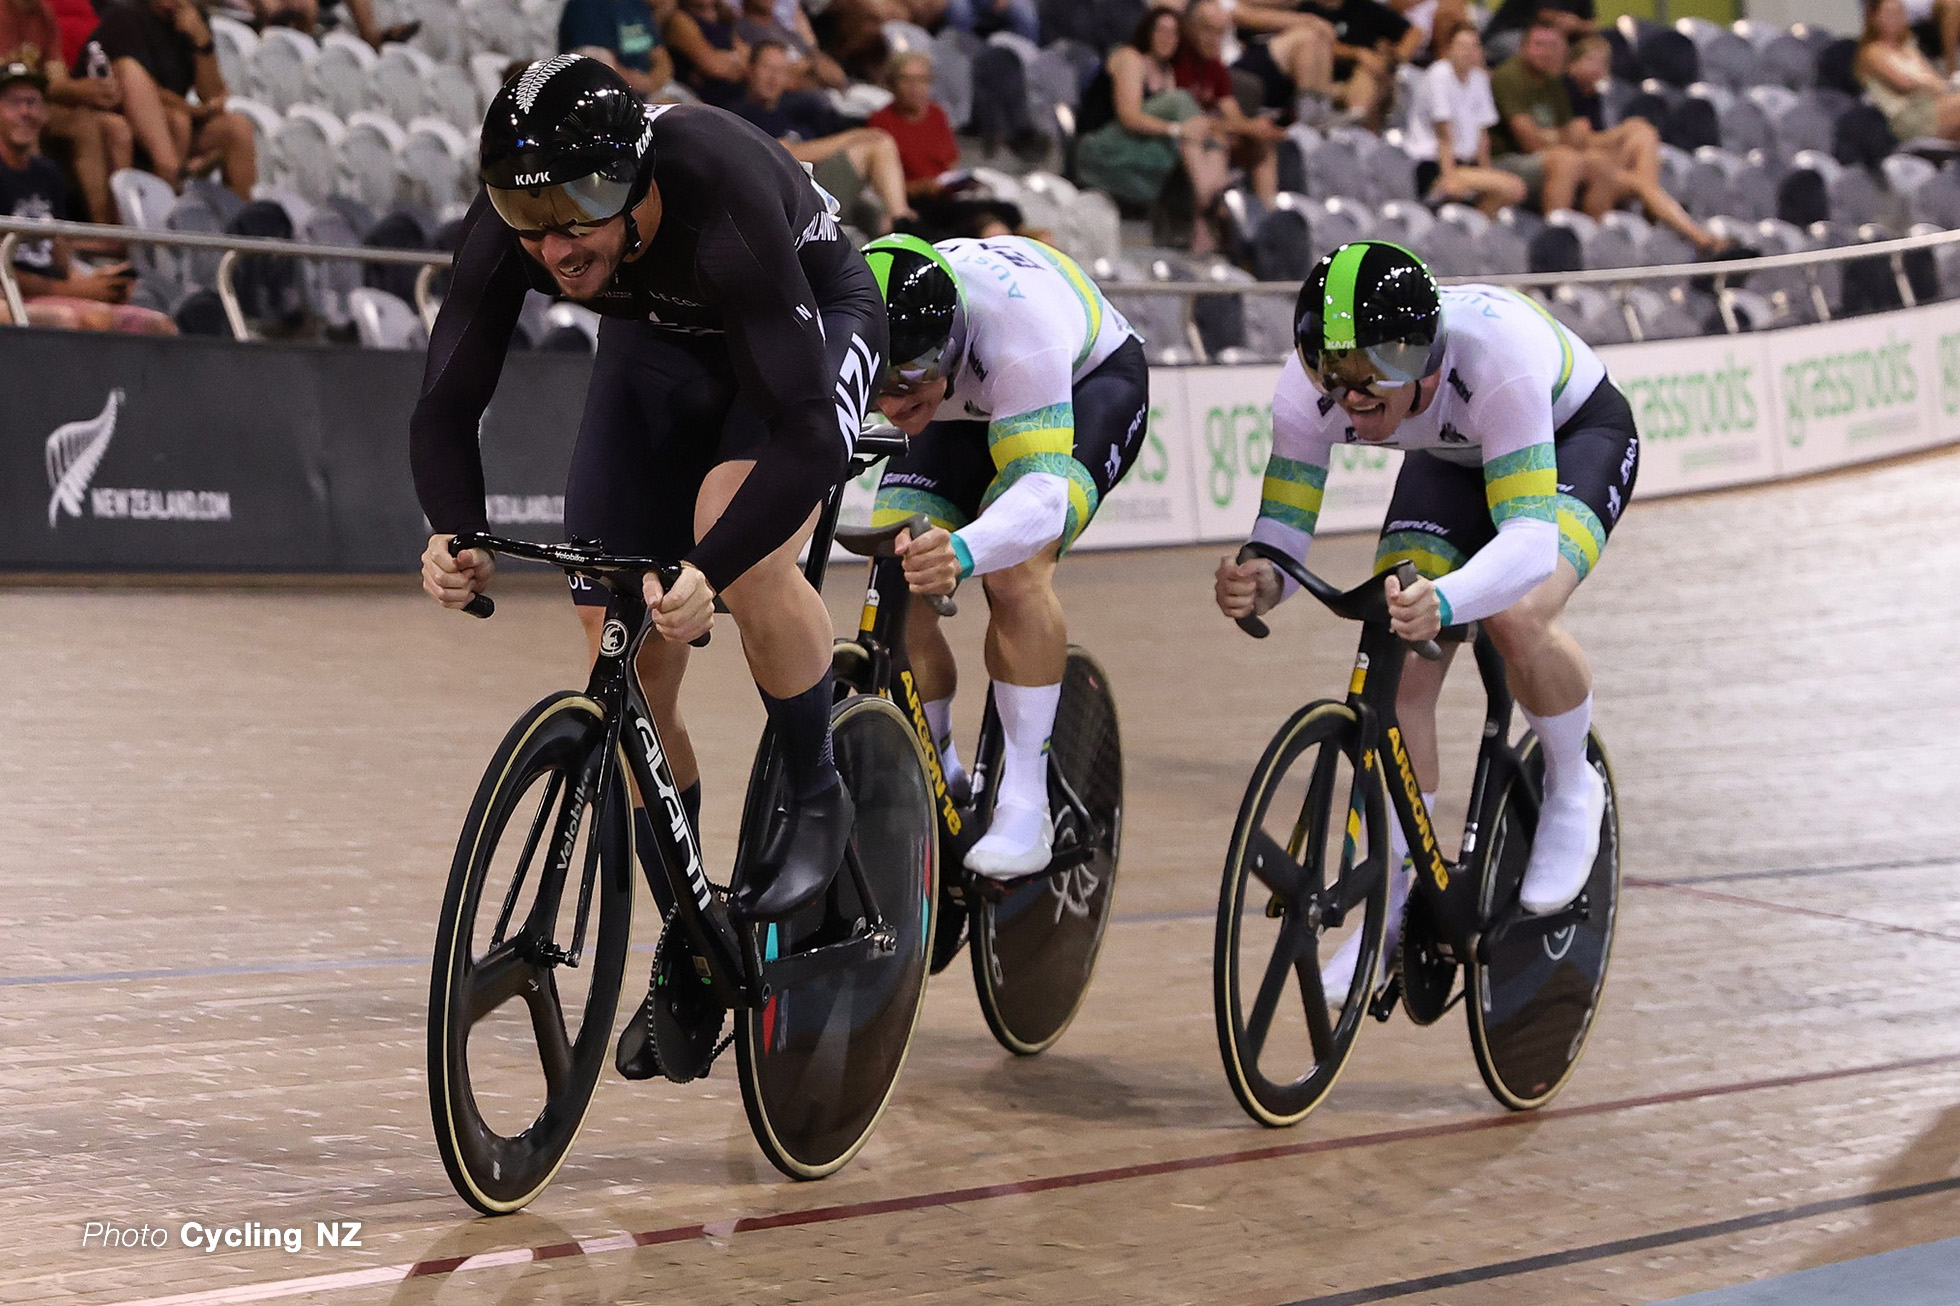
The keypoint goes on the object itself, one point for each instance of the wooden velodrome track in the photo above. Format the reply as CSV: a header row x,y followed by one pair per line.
x,y
225,818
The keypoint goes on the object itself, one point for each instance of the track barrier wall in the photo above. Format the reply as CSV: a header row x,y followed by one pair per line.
x,y
201,455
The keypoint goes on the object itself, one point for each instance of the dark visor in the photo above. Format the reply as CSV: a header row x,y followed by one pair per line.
x,y
586,202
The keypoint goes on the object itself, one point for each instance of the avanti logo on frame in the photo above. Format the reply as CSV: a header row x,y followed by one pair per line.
x,y
76,449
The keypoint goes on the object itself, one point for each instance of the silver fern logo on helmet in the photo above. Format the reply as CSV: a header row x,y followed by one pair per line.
x,y
532,83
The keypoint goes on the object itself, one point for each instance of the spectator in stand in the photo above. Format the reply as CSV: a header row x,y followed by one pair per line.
x,y
1540,139
77,20
56,291
161,50
982,17
853,30
1448,132
83,112
1200,69
844,161
709,57
305,16
1370,41
1586,77
918,124
1900,80
929,155
622,34
1156,125
1573,18
785,23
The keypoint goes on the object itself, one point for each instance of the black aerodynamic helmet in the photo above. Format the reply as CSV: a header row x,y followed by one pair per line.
x,y
1370,315
566,144
923,303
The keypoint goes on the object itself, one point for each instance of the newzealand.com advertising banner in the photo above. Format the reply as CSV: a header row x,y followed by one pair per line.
x,y
197,455
185,455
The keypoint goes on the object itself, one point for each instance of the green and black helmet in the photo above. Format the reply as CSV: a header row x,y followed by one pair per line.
x,y
1370,316
923,302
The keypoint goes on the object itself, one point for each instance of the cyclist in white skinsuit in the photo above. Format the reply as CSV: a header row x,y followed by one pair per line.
x,y
1027,395
1521,457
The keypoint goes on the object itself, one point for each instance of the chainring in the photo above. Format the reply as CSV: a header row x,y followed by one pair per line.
x,y
1428,977
686,1017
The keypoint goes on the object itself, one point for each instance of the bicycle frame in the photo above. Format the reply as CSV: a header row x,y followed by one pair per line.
x,y
1449,889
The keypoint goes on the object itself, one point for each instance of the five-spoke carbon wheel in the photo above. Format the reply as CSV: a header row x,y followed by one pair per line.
x,y
529,954
1304,878
1034,948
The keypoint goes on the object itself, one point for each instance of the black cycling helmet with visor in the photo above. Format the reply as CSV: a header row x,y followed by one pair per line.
x,y
925,309
1369,319
567,147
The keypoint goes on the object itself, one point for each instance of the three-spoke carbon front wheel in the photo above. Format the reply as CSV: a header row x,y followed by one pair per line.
x,y
820,1056
1035,947
1304,879
529,955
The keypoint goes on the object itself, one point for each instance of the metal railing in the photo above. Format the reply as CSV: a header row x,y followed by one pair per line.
x,y
1617,280
232,248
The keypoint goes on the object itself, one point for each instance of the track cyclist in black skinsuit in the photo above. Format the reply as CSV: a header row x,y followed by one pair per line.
x,y
742,336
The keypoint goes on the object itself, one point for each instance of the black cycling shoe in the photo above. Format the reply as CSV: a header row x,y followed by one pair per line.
x,y
801,860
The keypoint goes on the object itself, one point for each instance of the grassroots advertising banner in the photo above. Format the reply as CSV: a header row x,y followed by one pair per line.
x,y
1851,391
178,455
1704,410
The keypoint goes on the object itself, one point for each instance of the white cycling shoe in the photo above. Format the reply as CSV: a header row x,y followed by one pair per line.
x,y
1336,975
1563,850
1019,841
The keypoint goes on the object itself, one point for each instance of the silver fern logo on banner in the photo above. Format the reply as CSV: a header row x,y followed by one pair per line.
x,y
75,450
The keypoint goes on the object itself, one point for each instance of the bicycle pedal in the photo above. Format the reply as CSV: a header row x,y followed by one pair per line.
x,y
1383,1004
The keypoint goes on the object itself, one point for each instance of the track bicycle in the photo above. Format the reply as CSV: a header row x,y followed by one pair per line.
x,y
1307,872
1035,938
532,945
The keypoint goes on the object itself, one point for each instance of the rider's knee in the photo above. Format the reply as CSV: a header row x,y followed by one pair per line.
x,y
1524,626
1021,586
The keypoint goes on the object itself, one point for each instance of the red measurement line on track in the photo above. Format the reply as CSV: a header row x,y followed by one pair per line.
x,y
391,1274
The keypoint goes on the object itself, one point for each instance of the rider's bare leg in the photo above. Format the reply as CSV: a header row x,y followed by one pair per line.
x,y
1552,682
936,676
1027,651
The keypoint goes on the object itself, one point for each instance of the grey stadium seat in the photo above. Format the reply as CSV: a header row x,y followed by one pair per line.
x,y
306,150
385,322
327,283
952,80
278,72
1936,200
1751,193
236,43
337,78
1730,60
370,160
398,83
1746,127
1906,173
1787,61
438,164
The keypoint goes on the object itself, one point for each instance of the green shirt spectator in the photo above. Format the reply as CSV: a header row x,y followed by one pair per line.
x,y
1519,89
623,33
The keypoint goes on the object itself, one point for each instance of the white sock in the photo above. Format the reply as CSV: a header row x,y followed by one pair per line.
x,y
1563,741
939,717
1027,718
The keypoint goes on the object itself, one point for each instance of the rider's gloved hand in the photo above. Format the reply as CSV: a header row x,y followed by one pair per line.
x,y
1245,589
931,565
1415,613
684,613
453,582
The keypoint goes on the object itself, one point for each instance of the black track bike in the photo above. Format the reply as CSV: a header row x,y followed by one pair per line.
x,y
1307,873
1034,939
532,946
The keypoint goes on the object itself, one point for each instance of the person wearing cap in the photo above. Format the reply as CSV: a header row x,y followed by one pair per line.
x,y
84,112
58,293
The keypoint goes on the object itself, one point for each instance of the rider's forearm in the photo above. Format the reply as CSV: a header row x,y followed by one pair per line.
x,y
1030,515
1517,561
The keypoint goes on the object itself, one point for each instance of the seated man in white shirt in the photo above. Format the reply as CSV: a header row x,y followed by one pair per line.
x,y
1449,131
